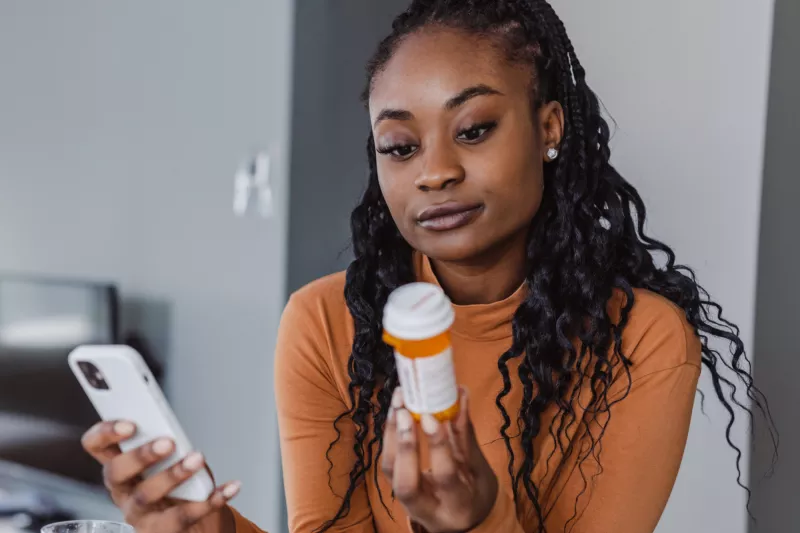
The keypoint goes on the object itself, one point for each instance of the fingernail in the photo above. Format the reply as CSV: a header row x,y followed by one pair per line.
x,y
404,424
193,461
397,398
391,415
124,429
162,446
430,425
231,490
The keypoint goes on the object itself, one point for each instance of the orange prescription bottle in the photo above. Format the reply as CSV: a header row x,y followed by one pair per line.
x,y
416,323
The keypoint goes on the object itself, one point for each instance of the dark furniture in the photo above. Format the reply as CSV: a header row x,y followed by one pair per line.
x,y
44,473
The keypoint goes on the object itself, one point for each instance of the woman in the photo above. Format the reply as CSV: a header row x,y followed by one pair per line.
x,y
579,357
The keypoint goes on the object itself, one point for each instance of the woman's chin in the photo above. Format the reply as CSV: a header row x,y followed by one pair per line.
x,y
451,249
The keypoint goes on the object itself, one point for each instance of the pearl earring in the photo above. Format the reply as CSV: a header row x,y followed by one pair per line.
x,y
552,153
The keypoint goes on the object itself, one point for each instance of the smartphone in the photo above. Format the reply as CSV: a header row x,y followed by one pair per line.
x,y
120,386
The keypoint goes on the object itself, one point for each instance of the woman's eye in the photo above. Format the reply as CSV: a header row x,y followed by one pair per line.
x,y
398,151
476,132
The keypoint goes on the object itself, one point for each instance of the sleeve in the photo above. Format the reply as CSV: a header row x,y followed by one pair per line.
x,y
642,448
308,403
641,454
242,524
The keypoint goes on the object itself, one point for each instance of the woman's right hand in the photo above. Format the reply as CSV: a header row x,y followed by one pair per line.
x,y
145,503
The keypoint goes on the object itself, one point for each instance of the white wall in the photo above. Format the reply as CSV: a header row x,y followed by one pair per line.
x,y
687,83
121,125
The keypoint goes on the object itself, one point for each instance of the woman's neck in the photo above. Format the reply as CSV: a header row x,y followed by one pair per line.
x,y
494,276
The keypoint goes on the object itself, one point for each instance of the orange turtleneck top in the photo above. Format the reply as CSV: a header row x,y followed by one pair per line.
x,y
642,445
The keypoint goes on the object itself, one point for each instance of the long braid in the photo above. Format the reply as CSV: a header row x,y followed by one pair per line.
x,y
591,224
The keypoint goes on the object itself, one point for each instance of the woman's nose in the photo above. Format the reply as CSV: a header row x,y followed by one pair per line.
x,y
441,169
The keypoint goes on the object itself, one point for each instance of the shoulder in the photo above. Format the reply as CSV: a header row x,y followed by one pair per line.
x,y
316,334
657,335
323,297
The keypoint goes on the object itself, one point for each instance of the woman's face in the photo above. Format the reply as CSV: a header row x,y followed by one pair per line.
x,y
460,153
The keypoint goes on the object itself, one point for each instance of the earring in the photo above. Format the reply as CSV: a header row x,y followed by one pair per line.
x,y
552,153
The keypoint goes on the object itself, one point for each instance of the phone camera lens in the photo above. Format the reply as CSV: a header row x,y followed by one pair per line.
x,y
93,375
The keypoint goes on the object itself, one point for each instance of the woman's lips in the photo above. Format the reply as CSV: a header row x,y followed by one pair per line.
x,y
448,216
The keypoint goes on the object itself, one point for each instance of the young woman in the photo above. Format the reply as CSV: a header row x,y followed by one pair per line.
x,y
579,357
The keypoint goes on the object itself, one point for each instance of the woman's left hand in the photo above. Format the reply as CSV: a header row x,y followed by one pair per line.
x,y
459,491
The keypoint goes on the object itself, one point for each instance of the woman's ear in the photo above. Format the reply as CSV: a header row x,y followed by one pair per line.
x,y
551,120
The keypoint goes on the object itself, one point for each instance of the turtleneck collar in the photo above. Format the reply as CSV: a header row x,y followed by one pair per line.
x,y
485,322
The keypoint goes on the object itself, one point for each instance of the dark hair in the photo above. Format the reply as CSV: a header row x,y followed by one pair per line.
x,y
591,222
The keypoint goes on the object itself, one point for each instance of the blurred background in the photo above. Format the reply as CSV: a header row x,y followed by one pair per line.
x,y
171,171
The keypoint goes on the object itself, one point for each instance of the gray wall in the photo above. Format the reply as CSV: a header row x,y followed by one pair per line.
x,y
329,128
777,316
121,126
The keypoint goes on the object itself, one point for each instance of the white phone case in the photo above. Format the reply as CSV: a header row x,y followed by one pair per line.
x,y
134,395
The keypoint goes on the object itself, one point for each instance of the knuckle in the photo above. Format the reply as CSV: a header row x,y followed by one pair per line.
x,y
438,444
405,447
178,473
405,492
143,454
140,498
185,518
89,440
109,472
447,479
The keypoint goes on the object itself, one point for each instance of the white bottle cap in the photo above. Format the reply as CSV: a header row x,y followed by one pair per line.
x,y
418,311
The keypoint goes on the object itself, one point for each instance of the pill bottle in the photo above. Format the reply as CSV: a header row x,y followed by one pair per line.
x,y
416,323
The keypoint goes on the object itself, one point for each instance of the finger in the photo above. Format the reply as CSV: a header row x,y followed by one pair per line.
x,y
128,466
406,481
156,488
444,468
102,440
390,435
463,432
181,517
398,401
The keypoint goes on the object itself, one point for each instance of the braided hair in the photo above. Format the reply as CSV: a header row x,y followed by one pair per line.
x,y
591,222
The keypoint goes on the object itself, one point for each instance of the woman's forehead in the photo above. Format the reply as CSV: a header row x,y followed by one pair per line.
x,y
435,64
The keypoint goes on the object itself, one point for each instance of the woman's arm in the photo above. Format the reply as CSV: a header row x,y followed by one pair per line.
x,y
234,522
308,403
641,454
642,445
